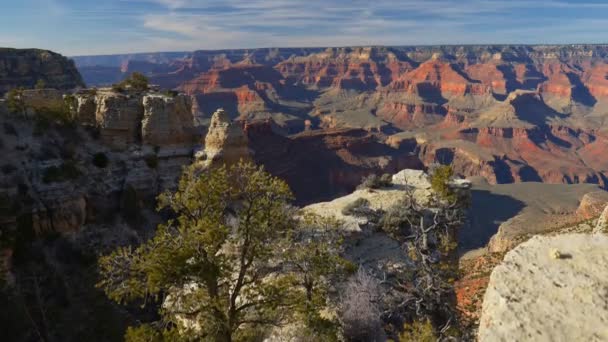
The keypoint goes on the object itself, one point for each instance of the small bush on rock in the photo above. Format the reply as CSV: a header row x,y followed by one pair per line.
x,y
356,208
376,182
440,177
418,331
359,308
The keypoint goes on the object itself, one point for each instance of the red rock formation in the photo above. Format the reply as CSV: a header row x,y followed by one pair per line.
x,y
323,164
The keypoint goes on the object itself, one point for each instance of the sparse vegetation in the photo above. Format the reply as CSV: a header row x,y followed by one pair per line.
x,y
440,178
360,309
418,331
358,207
14,101
100,160
374,181
136,82
171,93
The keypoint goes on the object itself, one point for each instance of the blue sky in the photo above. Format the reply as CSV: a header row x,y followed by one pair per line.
x,y
86,27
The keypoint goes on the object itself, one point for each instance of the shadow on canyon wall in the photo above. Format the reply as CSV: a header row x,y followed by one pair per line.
x,y
488,211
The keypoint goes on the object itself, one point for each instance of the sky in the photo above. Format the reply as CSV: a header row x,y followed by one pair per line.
x,y
93,27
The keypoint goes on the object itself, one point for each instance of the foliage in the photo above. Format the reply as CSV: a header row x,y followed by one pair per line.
x,y
14,101
418,331
440,177
40,84
136,81
374,181
360,308
227,265
100,160
313,252
66,171
171,93
151,160
356,208
428,234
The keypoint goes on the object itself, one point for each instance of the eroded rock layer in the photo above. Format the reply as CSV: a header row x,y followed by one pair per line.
x,y
507,113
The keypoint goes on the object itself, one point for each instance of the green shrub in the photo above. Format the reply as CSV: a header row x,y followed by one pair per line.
x,y
136,81
66,171
376,182
356,208
151,160
100,160
440,177
171,93
14,101
418,331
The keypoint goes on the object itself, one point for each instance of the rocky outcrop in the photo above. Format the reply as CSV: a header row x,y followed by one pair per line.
x,y
167,120
36,100
25,67
225,142
592,204
549,289
125,119
602,222
118,117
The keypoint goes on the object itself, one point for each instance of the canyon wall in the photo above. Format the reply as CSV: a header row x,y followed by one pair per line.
x,y
25,67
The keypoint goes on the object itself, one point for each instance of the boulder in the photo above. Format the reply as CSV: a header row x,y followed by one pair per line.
x,y
549,289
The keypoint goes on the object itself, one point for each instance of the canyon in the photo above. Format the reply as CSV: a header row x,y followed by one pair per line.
x,y
505,113
321,119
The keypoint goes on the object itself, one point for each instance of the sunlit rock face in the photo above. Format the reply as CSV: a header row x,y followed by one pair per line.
x,y
225,142
549,289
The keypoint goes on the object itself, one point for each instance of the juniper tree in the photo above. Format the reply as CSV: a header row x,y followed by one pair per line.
x,y
227,266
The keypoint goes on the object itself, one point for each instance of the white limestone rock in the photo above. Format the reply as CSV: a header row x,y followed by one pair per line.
x,y
549,289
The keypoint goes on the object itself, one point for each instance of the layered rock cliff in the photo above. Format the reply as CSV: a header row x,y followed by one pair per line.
x,y
147,118
25,67
507,113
